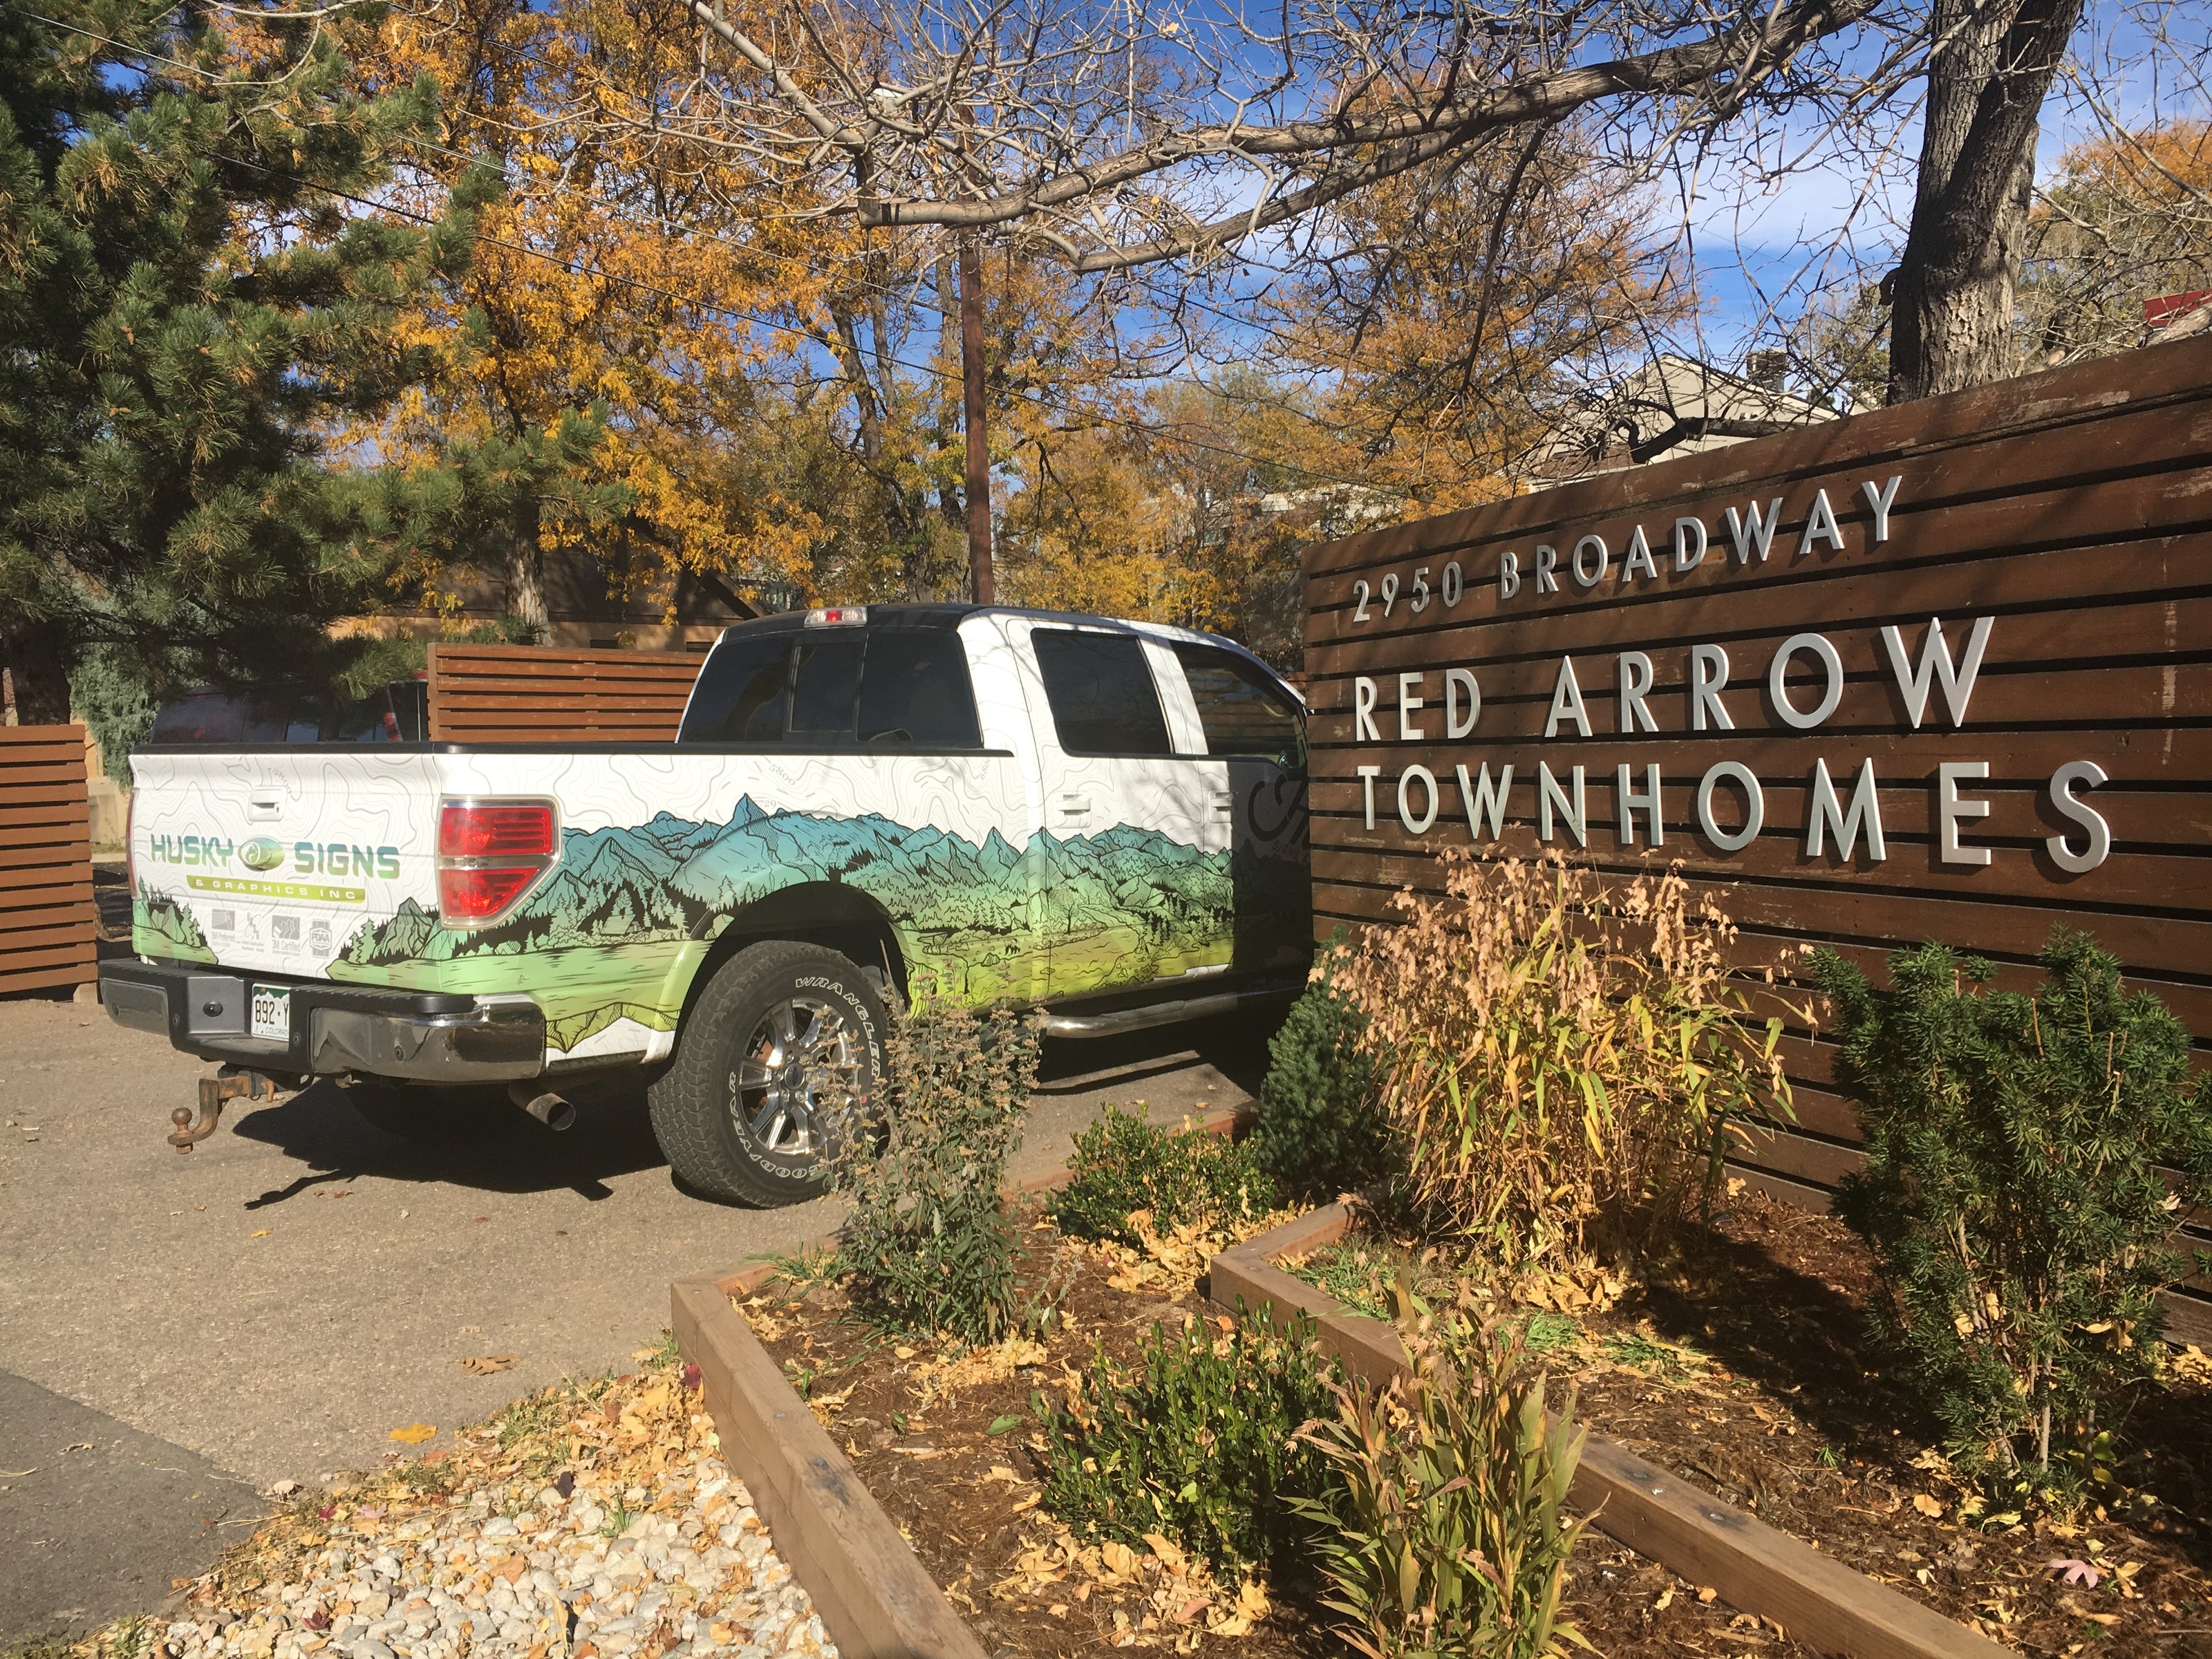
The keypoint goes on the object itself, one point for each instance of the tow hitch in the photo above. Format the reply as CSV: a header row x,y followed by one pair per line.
x,y
231,1083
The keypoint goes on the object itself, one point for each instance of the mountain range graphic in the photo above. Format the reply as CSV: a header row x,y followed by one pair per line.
x,y
1118,907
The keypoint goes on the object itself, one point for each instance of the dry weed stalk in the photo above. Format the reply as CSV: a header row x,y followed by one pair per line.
x,y
1568,1061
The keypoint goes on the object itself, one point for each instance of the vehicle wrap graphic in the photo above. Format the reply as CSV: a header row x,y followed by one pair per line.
x,y
983,904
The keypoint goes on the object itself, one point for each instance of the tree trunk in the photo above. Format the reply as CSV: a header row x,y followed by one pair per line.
x,y
38,672
974,418
1951,295
526,567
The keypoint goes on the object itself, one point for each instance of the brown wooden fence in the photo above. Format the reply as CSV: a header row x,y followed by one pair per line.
x,y
538,693
2059,525
46,916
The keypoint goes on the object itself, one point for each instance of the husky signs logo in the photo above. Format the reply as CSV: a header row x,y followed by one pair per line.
x,y
261,853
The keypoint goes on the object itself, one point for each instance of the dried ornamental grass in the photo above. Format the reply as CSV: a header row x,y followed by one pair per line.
x,y
1563,1054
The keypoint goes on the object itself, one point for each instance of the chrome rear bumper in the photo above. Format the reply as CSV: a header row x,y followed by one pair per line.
x,y
419,1036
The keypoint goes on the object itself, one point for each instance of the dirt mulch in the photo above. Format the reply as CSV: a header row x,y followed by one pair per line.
x,y
1776,1397
917,1424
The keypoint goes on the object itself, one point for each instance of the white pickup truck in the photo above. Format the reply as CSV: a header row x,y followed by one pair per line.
x,y
1104,818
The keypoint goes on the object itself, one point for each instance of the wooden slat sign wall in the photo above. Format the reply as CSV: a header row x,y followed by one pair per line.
x,y
1940,671
536,693
46,914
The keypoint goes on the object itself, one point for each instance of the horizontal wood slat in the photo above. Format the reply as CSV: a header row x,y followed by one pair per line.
x,y
78,972
2073,509
47,918
535,694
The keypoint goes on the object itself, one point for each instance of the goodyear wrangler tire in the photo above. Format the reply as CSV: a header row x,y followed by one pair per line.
x,y
778,1063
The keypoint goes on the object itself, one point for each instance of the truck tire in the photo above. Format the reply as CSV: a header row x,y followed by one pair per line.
x,y
431,1116
778,1064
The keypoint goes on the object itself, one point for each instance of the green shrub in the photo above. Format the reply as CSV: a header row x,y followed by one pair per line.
x,y
2010,1195
1193,1440
1124,1165
926,1244
1445,1535
1321,1130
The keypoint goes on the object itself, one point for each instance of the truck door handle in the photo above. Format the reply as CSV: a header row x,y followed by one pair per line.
x,y
1225,803
264,803
1075,806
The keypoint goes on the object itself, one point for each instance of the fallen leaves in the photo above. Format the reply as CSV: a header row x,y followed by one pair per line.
x,y
937,1380
2076,1571
414,1434
1180,1597
826,1407
487,1364
1931,1507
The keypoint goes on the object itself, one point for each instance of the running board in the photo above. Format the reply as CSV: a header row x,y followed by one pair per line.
x,y
1162,1013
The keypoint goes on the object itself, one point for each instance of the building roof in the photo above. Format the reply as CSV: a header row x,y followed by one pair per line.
x,y
1671,406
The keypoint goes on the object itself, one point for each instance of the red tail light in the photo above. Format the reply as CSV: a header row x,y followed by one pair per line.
x,y
489,854
478,829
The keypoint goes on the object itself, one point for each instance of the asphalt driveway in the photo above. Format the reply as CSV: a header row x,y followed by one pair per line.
x,y
178,1332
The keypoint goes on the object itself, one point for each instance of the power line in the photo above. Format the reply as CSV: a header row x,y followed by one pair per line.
x,y
575,269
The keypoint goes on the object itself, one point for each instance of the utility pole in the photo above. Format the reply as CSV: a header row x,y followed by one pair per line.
x,y
979,442
973,417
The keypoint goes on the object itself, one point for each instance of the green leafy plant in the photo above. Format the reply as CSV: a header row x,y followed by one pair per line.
x,y
1126,1166
1349,1273
1360,1271
925,1242
2011,1194
1321,1130
1445,1536
1194,1440
1563,1056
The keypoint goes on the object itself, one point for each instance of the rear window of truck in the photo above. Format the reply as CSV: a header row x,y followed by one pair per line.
x,y
887,688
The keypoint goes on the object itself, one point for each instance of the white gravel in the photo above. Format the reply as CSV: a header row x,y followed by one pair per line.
x,y
686,1568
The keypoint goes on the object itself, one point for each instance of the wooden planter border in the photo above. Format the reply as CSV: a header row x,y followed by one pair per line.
x,y
1814,1597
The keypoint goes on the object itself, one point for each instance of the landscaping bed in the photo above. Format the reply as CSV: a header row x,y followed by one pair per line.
x,y
917,1416
1749,1369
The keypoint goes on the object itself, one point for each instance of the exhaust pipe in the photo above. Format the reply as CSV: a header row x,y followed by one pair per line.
x,y
549,1108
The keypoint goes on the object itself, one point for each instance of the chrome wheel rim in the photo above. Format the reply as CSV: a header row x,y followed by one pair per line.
x,y
798,1078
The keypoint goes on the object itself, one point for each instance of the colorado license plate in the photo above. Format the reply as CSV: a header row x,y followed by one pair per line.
x,y
273,1011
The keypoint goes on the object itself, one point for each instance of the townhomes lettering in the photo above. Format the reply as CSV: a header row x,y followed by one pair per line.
x,y
1935,677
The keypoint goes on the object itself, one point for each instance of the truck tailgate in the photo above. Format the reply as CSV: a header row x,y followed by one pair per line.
x,y
272,859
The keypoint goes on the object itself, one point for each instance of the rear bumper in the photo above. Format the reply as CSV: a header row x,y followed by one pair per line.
x,y
422,1036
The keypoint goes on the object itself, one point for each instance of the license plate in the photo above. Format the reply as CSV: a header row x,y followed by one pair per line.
x,y
273,1011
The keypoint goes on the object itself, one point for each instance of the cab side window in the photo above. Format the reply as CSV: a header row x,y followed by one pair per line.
x,y
1241,709
1100,689
741,692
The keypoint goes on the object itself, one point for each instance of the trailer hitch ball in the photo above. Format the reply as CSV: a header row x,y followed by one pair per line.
x,y
231,1083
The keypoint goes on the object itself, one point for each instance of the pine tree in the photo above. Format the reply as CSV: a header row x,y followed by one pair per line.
x,y
2012,1194
193,293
